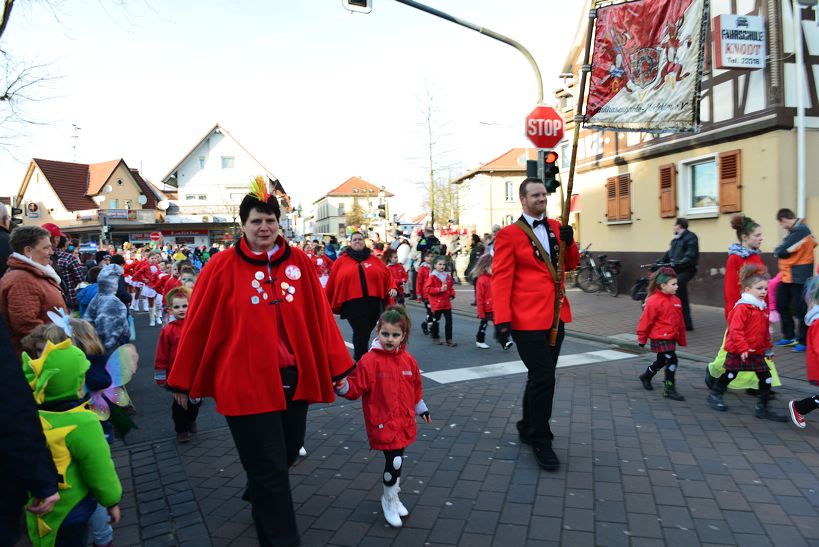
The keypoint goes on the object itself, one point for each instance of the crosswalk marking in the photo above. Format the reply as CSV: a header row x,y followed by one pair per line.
x,y
517,367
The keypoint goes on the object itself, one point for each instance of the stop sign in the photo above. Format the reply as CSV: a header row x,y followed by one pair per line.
x,y
544,127
156,236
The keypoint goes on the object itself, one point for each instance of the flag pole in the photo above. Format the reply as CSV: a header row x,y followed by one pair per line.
x,y
567,199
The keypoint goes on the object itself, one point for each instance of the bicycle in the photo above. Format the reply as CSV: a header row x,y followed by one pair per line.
x,y
639,291
598,274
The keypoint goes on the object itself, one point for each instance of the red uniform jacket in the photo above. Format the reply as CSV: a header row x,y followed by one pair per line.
x,y
229,343
345,281
390,383
146,273
399,276
517,272
662,319
322,264
731,289
421,280
166,347
748,330
439,298
171,283
483,295
813,352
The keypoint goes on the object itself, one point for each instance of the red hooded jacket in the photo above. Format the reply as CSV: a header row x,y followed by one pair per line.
x,y
439,298
345,281
166,347
390,384
812,356
483,295
748,330
399,276
421,280
662,319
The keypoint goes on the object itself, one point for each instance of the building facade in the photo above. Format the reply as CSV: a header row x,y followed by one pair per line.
x,y
353,197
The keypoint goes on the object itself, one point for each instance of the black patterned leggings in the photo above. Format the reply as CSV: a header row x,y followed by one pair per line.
x,y
392,466
667,359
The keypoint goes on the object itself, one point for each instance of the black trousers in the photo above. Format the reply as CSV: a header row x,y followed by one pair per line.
x,y
682,293
182,419
435,330
268,444
362,330
481,335
540,360
790,304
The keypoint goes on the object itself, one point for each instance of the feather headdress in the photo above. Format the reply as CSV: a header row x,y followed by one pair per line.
x,y
258,189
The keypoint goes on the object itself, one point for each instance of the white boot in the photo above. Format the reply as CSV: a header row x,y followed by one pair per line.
x,y
145,304
389,504
158,316
402,511
152,315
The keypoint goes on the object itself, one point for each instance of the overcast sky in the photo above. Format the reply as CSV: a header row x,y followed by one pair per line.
x,y
316,93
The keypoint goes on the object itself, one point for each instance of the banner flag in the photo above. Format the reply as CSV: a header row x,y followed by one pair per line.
x,y
647,66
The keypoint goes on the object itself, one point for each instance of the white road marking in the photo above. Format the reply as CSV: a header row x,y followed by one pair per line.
x,y
517,367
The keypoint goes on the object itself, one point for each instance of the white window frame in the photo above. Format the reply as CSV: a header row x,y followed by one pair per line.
x,y
684,182
232,161
201,162
509,192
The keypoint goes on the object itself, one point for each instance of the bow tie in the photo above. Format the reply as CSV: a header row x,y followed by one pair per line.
x,y
537,223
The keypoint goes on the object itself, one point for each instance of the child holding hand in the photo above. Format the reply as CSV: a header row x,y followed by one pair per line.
x,y
662,322
388,380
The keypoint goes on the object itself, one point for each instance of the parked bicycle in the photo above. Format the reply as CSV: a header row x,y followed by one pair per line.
x,y
639,291
597,274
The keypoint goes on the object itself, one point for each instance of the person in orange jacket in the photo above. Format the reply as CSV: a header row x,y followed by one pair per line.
x,y
662,322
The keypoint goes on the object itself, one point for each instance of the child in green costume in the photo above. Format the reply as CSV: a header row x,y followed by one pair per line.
x,y
77,445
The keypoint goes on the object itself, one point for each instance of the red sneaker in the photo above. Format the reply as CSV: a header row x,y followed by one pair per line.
x,y
797,419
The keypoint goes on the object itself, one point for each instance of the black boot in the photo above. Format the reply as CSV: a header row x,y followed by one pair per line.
x,y
670,392
709,380
646,377
715,397
764,413
425,328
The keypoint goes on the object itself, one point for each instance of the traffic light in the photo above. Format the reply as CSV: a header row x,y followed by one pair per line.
x,y
15,216
548,171
361,6
382,210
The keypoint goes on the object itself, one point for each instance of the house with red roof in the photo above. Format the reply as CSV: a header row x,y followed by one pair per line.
x,y
332,208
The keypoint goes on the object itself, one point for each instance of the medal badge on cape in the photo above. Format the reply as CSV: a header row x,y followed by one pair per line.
x,y
292,272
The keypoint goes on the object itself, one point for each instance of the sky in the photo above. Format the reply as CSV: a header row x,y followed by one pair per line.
x,y
316,93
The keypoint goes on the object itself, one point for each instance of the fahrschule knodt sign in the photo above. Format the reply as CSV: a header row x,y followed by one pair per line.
x,y
739,41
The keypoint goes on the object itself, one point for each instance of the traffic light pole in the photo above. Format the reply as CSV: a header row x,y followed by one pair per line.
x,y
486,32
567,199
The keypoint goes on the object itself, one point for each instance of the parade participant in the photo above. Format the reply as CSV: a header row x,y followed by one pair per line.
x,y
524,270
424,270
799,408
322,263
795,256
244,344
440,290
482,272
87,474
748,342
389,381
358,288
662,322
476,250
683,255
30,287
397,271
148,275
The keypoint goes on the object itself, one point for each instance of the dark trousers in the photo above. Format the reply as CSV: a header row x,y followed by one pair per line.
x,y
790,304
362,330
481,336
540,360
682,293
435,331
268,444
182,419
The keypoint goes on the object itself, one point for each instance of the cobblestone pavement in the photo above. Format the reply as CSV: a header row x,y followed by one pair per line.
x,y
637,470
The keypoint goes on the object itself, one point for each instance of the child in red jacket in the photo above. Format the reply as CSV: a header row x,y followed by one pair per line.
x,y
420,283
397,271
748,342
388,379
662,322
483,297
184,419
440,290
799,408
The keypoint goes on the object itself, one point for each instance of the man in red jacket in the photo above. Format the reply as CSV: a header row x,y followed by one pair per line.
x,y
523,292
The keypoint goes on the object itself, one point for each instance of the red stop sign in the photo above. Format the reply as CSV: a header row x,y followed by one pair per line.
x,y
156,236
544,127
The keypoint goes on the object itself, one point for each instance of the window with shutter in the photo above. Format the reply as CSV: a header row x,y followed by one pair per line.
x,y
611,199
618,198
730,181
668,191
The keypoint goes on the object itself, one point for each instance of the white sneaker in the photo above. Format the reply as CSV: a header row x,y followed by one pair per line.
x,y
482,345
302,452
159,318
152,322
390,507
402,511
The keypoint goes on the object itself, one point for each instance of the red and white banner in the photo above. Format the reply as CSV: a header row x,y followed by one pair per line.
x,y
647,66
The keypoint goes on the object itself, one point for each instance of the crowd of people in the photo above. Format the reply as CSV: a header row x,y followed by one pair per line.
x,y
233,324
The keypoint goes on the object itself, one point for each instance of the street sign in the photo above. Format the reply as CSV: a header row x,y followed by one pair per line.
x,y
156,236
544,127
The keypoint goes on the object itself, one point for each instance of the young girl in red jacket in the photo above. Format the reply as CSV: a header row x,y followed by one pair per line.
x,y
440,290
397,271
799,408
388,379
184,420
420,283
483,297
748,342
662,322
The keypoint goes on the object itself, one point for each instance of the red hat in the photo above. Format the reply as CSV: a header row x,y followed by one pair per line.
x,y
54,230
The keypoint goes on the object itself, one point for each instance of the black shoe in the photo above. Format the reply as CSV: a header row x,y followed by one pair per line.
x,y
522,435
670,392
715,401
755,393
546,457
645,378
425,329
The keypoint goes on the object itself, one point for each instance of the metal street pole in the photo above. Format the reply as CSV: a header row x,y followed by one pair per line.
x,y
800,110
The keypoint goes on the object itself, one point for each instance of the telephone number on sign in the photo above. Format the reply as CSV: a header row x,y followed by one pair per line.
x,y
745,61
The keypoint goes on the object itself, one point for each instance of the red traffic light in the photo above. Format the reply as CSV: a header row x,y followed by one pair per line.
x,y
551,157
